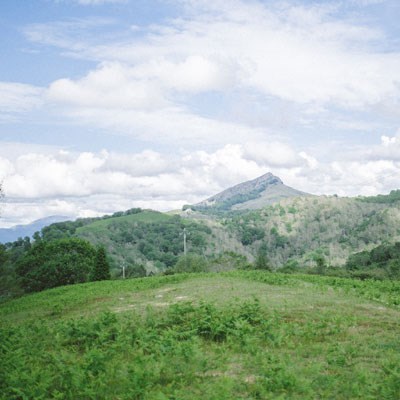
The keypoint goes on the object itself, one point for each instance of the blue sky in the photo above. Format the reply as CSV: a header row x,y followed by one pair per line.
x,y
112,104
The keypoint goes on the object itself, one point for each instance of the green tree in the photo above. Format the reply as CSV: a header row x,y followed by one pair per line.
x,y
101,268
3,254
55,263
291,266
262,261
135,271
321,263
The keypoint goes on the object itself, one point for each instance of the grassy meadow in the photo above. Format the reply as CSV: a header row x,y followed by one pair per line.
x,y
236,335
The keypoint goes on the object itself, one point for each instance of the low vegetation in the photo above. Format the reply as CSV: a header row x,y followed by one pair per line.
x,y
241,335
382,262
391,198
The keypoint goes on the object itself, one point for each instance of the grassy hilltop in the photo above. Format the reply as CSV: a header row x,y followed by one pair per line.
x,y
237,335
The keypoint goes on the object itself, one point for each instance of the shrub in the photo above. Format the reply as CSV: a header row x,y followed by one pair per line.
x,y
191,263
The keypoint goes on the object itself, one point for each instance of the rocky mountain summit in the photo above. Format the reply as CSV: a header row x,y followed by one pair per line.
x,y
257,193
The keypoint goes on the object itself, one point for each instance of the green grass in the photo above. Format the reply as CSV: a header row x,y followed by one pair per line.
x,y
239,335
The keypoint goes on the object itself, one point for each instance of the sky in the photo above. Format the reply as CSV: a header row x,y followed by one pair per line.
x,y
107,105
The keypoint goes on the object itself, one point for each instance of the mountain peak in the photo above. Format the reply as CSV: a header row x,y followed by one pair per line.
x,y
267,178
253,194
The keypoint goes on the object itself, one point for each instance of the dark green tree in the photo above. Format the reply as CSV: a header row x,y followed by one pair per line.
x,y
262,261
56,263
319,259
101,268
3,254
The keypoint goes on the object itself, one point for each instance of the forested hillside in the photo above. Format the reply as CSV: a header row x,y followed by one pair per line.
x,y
306,228
147,241
303,230
314,234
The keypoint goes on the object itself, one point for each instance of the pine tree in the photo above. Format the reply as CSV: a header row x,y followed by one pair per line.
x,y
101,270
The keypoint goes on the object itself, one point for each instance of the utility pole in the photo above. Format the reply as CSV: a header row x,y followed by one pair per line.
x,y
185,246
184,242
123,269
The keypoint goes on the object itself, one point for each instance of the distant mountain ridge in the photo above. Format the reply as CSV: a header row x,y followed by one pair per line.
x,y
254,194
17,231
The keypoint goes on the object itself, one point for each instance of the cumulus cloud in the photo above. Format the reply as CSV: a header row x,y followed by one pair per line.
x,y
112,85
147,85
80,183
87,183
388,150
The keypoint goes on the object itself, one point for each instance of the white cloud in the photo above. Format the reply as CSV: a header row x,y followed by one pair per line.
x,y
274,154
12,150
146,163
112,85
82,184
18,97
144,86
387,141
106,181
138,101
196,74
166,126
301,54
147,88
388,150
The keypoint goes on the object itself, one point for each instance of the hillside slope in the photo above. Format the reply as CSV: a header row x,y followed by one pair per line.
x,y
225,336
147,241
302,227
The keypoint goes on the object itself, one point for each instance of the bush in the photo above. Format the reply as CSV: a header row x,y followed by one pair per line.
x,y
191,263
